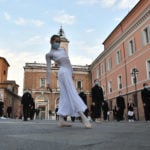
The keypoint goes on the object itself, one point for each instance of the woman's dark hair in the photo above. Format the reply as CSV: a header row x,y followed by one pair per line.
x,y
54,36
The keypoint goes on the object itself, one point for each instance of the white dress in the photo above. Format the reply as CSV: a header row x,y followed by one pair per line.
x,y
70,102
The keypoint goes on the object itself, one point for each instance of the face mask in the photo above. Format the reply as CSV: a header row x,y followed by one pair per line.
x,y
146,86
55,45
96,83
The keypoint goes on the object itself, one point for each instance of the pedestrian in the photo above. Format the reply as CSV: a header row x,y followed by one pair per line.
x,y
115,113
9,111
120,107
130,107
26,102
84,98
50,114
93,111
32,109
37,112
70,104
145,94
97,98
1,108
105,110
57,116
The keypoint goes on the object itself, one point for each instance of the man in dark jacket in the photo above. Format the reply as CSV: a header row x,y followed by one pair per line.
x,y
105,110
97,98
84,98
120,107
26,102
32,109
145,94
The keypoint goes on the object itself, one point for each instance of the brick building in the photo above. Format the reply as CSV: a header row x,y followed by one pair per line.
x,y
8,92
124,65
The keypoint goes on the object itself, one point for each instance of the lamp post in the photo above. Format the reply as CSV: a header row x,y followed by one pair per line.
x,y
134,75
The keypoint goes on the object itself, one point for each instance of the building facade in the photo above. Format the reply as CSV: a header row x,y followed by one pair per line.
x,y
9,99
124,65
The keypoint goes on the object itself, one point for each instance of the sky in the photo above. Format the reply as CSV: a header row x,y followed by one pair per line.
x,y
27,25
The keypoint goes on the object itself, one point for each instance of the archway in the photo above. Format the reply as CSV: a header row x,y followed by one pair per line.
x,y
42,104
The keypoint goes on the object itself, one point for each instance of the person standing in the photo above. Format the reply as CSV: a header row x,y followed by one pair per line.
x,y
105,110
145,94
9,111
26,102
130,111
37,111
32,109
70,103
93,111
120,107
84,98
115,112
97,98
1,108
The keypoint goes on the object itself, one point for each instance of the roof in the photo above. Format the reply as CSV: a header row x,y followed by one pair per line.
x,y
5,60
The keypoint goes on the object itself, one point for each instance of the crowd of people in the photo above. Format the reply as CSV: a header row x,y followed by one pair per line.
x,y
98,106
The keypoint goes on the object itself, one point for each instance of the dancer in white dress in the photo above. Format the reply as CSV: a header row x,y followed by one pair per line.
x,y
70,104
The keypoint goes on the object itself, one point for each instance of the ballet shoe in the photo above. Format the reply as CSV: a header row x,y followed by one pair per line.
x,y
87,124
64,124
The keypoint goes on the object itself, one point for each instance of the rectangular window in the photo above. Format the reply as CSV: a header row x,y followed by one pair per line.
x,y
134,73
102,68
42,82
148,69
58,88
118,57
119,82
110,104
97,73
110,86
131,47
109,64
146,36
79,84
103,90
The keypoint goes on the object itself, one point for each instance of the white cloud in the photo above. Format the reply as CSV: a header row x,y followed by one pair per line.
x,y
63,18
104,3
89,30
20,21
108,3
80,60
37,22
17,62
7,16
89,2
36,40
117,19
86,50
23,21
123,4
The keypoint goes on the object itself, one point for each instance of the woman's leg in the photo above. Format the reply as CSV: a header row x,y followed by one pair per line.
x,y
63,123
85,120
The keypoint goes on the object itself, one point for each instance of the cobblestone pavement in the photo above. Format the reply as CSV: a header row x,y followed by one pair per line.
x,y
46,135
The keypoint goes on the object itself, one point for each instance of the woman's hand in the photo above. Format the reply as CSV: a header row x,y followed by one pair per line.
x,y
49,87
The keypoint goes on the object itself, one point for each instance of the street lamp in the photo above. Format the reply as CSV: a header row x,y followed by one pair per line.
x,y
134,75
